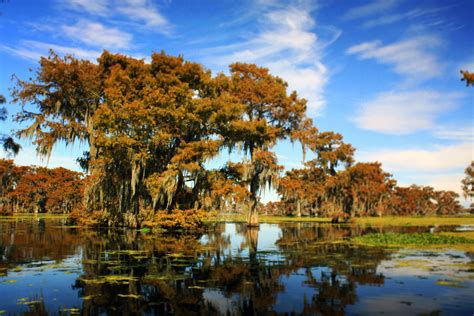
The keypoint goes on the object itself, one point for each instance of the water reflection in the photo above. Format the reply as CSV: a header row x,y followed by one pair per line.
x,y
274,269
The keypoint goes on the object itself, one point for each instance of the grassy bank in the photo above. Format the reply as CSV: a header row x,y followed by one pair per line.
x,y
416,221
26,216
269,218
373,221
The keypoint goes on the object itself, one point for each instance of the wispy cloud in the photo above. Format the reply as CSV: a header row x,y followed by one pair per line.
x,y
428,16
96,34
143,11
288,46
96,7
374,7
33,50
415,58
457,133
404,112
387,19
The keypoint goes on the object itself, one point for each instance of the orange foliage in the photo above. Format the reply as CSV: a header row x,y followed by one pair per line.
x,y
39,189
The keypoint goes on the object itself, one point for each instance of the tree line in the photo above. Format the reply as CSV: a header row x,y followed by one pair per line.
x,y
38,189
152,127
362,189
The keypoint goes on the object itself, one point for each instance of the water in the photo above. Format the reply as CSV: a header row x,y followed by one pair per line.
x,y
292,268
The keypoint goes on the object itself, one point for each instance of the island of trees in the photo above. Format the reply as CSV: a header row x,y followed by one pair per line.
x,y
151,129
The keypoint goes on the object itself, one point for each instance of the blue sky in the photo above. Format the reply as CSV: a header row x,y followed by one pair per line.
x,y
385,74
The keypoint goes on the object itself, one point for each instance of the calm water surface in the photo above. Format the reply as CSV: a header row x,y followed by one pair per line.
x,y
48,269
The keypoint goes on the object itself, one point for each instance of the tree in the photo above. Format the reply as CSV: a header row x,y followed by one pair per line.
x,y
468,184
269,115
151,127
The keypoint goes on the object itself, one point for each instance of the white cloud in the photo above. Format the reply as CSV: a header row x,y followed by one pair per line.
x,y
404,112
375,7
436,160
414,58
144,11
450,182
288,46
33,50
98,7
96,34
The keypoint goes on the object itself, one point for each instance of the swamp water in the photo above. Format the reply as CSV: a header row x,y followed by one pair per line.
x,y
49,269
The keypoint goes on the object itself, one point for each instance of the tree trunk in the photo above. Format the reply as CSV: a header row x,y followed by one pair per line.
x,y
298,208
252,214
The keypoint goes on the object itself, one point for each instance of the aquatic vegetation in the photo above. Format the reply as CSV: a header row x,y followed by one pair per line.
x,y
131,296
26,301
71,311
113,279
451,283
9,281
419,239
196,287
422,264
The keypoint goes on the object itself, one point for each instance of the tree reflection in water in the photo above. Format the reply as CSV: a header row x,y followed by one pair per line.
x,y
127,272
131,273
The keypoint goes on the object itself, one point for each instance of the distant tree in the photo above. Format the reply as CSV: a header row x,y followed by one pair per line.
x,y
304,189
8,143
468,184
364,189
447,203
